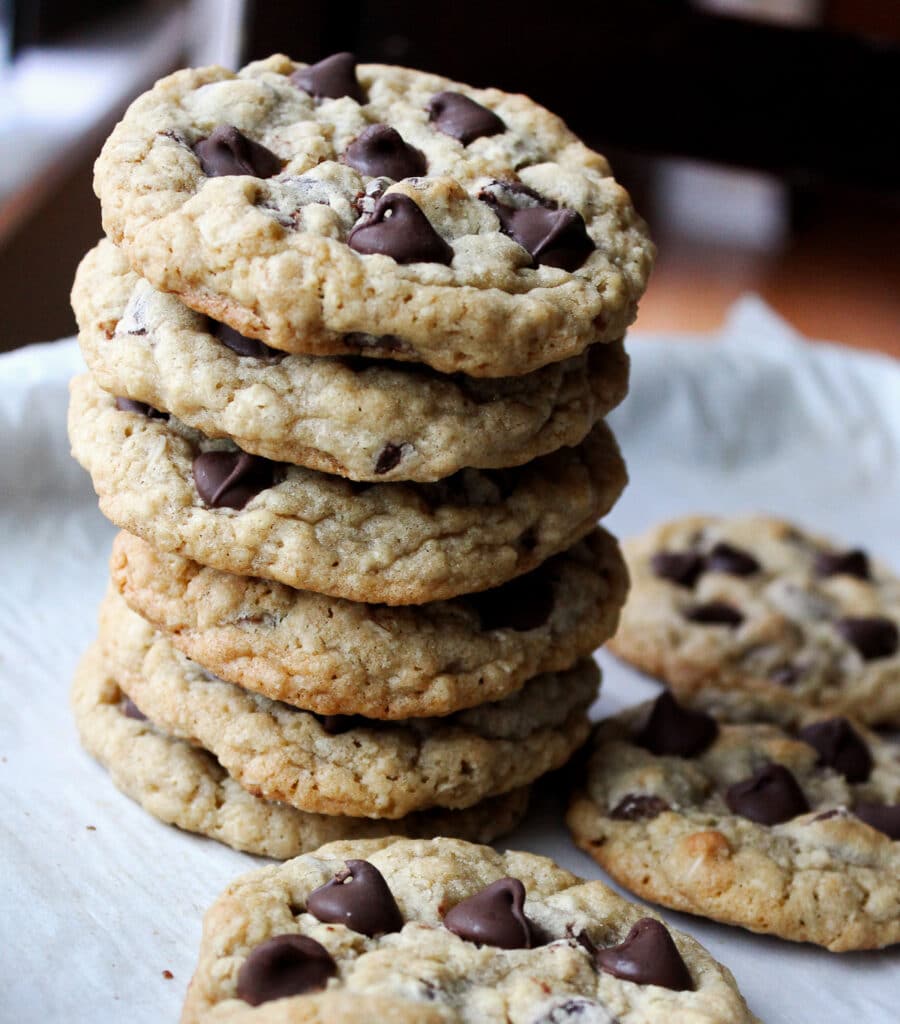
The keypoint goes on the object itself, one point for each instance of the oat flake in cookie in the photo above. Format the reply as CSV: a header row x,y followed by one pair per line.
x,y
392,543
360,418
409,217
445,932
765,607
184,785
775,819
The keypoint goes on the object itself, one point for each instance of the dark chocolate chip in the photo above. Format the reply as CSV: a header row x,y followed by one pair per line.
x,y
771,795
874,637
516,194
883,817
359,898
493,917
647,956
331,78
231,479
130,405
843,563
523,604
840,747
835,812
228,151
714,613
681,567
785,675
553,238
673,730
250,347
462,118
388,458
285,965
638,807
131,710
577,1009
381,152
398,228
734,561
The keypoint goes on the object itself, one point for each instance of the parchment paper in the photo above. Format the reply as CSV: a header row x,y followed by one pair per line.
x,y
98,898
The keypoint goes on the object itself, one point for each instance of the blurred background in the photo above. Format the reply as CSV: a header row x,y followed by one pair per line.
x,y
758,137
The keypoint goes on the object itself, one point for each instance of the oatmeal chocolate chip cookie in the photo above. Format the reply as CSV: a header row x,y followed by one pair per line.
x,y
343,764
186,786
393,543
391,222
339,657
787,827
355,417
447,932
764,607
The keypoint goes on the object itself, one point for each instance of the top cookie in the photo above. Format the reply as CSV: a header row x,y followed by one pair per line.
x,y
761,605
375,209
445,932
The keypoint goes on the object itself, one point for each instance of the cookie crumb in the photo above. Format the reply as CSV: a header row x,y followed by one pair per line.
x,y
91,828
168,975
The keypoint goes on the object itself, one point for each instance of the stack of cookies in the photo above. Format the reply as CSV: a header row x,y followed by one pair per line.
x,y
351,341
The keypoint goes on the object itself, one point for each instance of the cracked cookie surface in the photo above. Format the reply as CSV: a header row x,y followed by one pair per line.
x,y
704,819
350,766
339,657
421,971
262,243
186,786
764,606
362,419
394,543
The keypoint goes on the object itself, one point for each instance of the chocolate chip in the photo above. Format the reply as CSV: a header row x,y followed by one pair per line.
x,y
388,458
398,228
676,731
874,637
734,561
771,795
578,1009
514,194
714,613
785,675
131,710
231,479
381,152
553,238
285,965
835,812
250,347
523,604
681,567
638,807
840,747
141,408
883,817
647,956
843,563
462,118
331,78
359,898
493,917
228,151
